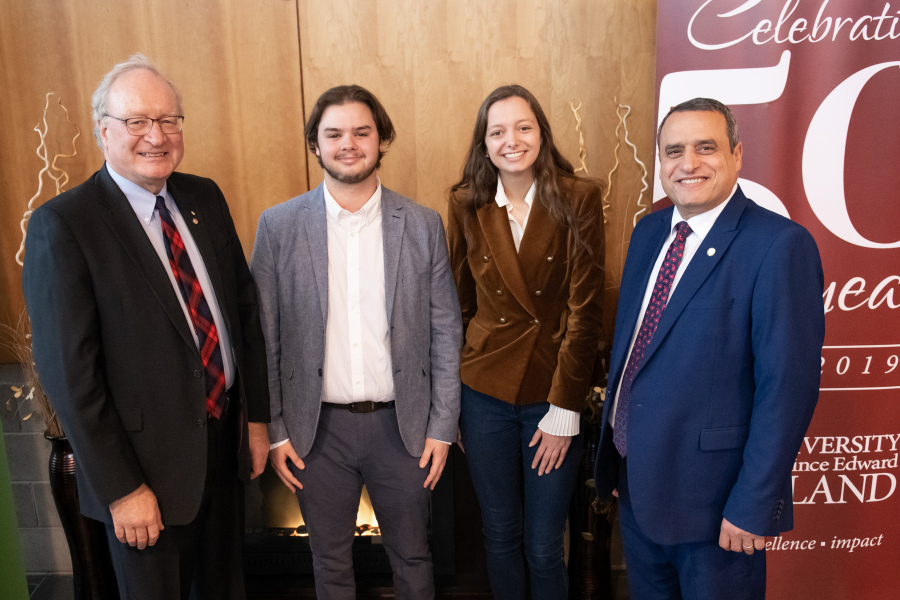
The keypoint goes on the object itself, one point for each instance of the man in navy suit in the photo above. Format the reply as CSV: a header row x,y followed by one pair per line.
x,y
714,372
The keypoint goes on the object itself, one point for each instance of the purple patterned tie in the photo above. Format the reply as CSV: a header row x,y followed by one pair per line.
x,y
648,327
201,315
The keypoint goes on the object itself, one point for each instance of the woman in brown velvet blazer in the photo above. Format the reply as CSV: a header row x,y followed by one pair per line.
x,y
526,248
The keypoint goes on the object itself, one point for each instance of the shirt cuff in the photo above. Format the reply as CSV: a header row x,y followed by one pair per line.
x,y
561,421
274,445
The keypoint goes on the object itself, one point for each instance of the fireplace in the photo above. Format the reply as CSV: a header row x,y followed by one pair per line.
x,y
277,543
279,564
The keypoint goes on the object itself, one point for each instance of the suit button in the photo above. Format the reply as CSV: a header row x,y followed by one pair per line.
x,y
549,259
197,373
536,322
485,258
503,319
201,423
499,292
537,293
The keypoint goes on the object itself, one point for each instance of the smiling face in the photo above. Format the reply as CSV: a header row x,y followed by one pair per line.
x,y
697,169
513,138
347,144
148,159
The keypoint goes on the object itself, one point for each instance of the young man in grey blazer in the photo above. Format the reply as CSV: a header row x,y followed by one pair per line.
x,y
363,332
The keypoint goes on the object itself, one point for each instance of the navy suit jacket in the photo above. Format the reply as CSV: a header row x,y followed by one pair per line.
x,y
719,408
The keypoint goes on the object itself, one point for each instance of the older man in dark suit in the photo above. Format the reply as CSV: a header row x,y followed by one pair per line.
x,y
148,341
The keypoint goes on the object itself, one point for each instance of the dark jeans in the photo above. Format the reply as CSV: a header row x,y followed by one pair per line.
x,y
496,435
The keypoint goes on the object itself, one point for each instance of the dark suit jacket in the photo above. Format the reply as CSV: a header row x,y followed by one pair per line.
x,y
719,408
533,319
115,352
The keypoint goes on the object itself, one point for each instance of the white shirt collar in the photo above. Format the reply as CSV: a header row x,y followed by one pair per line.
x,y
503,201
142,200
702,223
369,210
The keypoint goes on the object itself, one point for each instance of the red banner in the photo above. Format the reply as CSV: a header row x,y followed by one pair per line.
x,y
815,88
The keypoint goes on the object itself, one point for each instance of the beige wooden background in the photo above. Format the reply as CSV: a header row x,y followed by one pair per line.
x,y
250,70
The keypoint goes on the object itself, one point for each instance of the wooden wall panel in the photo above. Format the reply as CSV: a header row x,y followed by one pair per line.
x,y
432,62
237,64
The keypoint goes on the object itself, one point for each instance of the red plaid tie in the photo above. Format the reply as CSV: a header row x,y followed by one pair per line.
x,y
201,316
648,327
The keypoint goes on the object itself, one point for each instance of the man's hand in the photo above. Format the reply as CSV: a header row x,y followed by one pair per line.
x,y
552,451
737,540
259,448
136,518
436,452
278,458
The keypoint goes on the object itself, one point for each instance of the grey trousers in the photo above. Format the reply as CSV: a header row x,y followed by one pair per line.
x,y
350,450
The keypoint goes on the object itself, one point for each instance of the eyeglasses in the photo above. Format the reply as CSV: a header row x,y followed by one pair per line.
x,y
143,125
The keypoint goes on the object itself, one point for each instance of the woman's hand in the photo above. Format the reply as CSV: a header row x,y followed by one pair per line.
x,y
552,451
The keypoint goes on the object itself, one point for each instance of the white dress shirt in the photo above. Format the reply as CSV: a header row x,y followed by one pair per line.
x,y
357,338
143,202
557,421
700,226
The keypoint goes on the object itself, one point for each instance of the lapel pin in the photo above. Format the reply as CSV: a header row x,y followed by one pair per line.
x,y
709,252
196,222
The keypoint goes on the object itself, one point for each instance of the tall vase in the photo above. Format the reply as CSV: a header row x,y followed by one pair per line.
x,y
92,568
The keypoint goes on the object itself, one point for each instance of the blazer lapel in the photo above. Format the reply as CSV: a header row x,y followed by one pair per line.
x,y
702,264
196,224
316,229
538,235
393,222
121,219
494,222
631,293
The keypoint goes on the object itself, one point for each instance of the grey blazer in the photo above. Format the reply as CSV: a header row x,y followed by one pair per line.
x,y
290,266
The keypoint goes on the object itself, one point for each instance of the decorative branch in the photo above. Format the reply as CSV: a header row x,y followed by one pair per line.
x,y
623,124
60,180
609,181
19,337
582,152
644,183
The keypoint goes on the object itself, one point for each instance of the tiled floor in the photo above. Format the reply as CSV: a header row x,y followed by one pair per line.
x,y
50,587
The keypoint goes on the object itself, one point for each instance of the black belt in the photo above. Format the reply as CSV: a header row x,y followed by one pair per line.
x,y
366,406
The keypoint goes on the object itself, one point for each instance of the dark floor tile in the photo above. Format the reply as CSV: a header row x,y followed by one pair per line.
x,y
55,587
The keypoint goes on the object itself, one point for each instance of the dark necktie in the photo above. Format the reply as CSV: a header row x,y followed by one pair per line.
x,y
201,316
650,322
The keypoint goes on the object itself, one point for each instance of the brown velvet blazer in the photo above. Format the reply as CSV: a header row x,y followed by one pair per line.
x,y
532,319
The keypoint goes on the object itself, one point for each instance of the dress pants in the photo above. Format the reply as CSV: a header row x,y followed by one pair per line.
x,y
203,559
695,571
350,450
524,514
